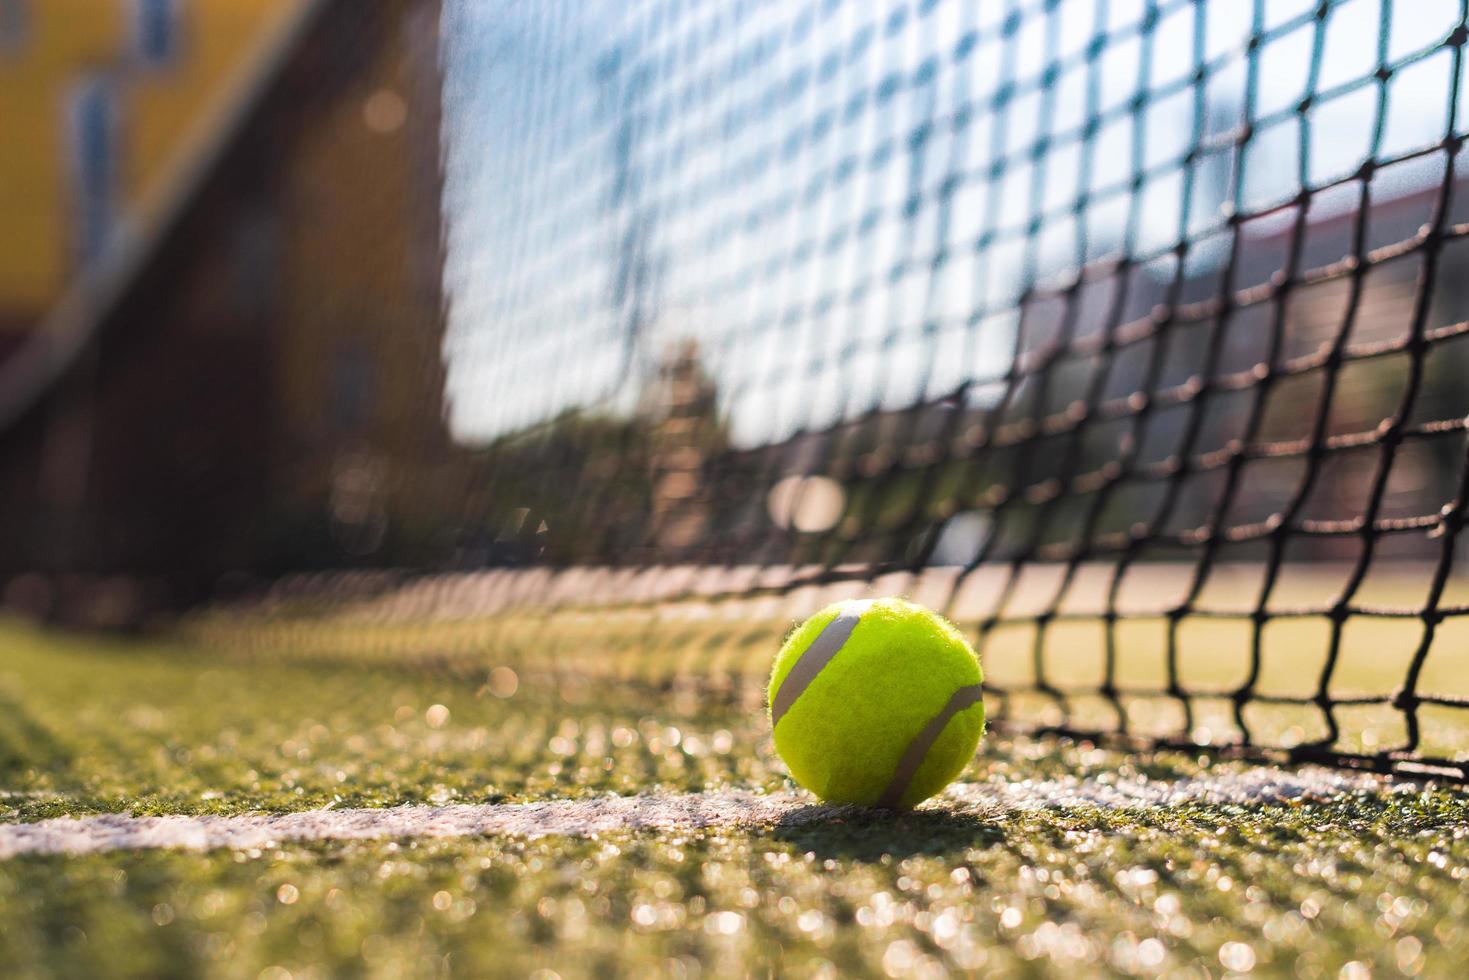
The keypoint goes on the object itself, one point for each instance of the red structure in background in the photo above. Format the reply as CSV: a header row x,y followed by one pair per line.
x,y
251,390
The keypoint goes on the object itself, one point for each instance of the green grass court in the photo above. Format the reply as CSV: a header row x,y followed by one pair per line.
x,y
1350,885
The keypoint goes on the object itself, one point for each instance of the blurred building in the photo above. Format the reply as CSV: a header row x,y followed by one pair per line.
x,y
100,100
247,374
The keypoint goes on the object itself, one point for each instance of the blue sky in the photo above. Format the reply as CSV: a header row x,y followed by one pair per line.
x,y
622,175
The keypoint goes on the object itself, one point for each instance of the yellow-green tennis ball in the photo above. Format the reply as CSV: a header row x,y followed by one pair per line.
x,y
876,702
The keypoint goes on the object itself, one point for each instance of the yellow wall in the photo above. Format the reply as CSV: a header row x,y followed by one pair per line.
x,y
64,42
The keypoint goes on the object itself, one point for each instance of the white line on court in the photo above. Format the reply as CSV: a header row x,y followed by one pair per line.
x,y
606,814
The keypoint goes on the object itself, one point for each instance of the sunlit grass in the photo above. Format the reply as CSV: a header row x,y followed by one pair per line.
x,y
1210,651
1298,891
147,727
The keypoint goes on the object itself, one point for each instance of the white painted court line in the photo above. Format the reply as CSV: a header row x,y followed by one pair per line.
x,y
88,835
598,815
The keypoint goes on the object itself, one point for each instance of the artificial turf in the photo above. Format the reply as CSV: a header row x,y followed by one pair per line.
x,y
1357,885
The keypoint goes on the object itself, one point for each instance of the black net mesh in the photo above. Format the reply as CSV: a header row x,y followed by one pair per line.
x,y
1131,335
1130,331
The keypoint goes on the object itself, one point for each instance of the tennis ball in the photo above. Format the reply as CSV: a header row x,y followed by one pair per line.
x,y
876,702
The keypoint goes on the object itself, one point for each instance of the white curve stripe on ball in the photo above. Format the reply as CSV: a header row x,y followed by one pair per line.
x,y
917,751
816,656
